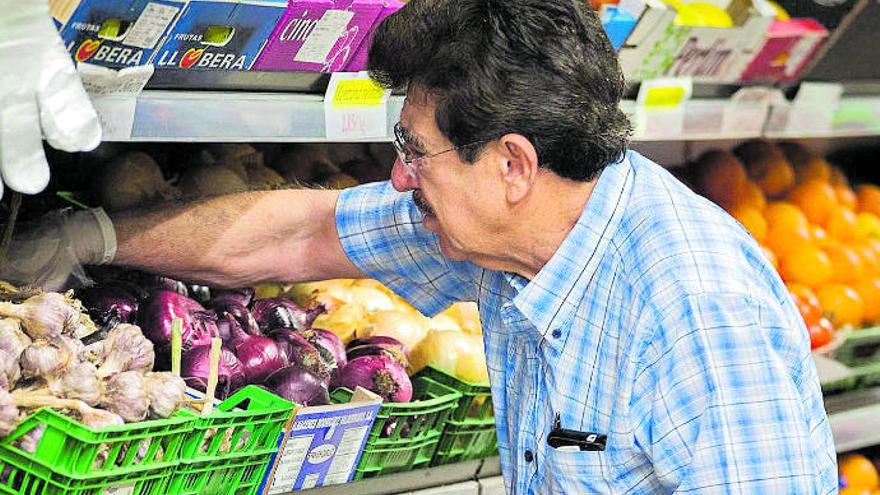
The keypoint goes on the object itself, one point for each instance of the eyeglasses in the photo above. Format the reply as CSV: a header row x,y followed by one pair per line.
x,y
412,163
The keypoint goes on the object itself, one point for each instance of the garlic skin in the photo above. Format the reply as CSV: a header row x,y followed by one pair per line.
x,y
31,440
44,359
126,349
12,339
80,382
10,372
166,392
43,316
99,418
9,415
126,395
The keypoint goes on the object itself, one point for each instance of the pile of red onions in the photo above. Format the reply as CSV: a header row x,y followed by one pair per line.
x,y
268,342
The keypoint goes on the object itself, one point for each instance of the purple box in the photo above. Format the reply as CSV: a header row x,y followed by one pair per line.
x,y
318,35
359,60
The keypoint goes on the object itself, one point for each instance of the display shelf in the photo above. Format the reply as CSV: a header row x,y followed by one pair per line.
x,y
214,116
854,419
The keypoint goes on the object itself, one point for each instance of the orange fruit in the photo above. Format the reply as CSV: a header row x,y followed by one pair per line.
x,y
870,259
819,236
766,165
807,302
806,264
748,195
815,198
869,199
752,219
868,225
720,176
846,263
821,333
842,304
846,196
869,290
841,224
837,178
815,169
771,258
787,227
859,472
854,490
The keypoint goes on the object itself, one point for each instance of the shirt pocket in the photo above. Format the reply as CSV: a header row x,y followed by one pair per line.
x,y
576,472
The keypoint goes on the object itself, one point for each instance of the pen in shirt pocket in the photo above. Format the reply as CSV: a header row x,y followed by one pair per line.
x,y
570,440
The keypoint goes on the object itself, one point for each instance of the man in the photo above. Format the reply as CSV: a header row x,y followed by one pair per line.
x,y
616,304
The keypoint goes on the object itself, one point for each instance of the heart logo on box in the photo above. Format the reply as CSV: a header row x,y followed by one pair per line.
x,y
86,50
190,57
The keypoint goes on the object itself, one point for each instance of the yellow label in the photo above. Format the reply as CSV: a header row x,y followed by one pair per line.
x,y
669,96
357,93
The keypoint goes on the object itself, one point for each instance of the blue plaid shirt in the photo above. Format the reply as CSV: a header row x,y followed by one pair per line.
x,y
658,322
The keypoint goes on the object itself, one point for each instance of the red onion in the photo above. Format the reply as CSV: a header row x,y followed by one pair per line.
x,y
299,386
296,351
327,340
277,312
108,304
259,356
239,312
378,374
392,352
156,314
195,366
152,282
377,340
240,296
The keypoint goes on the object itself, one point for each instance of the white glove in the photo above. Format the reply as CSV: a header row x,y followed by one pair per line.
x,y
40,95
47,254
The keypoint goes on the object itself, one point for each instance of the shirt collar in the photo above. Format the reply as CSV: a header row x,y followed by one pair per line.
x,y
550,300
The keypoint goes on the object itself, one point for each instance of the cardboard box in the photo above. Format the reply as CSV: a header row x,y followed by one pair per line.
x,y
618,24
359,60
118,34
219,34
787,48
657,47
322,445
318,35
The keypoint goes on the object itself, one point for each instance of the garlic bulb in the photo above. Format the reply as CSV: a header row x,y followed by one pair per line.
x,y
80,382
30,440
8,413
44,359
10,371
12,339
44,316
126,396
126,349
165,391
99,418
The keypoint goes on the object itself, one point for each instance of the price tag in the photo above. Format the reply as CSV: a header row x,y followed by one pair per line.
x,y
660,107
813,109
355,107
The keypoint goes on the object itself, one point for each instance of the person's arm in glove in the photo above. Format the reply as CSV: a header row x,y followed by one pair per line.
x,y
41,95
236,240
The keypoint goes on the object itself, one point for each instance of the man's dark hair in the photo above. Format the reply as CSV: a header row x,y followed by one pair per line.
x,y
541,68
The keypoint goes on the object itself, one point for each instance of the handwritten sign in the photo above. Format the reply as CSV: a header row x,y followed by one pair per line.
x,y
355,108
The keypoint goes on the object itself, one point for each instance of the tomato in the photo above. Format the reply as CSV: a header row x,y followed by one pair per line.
x,y
807,303
821,333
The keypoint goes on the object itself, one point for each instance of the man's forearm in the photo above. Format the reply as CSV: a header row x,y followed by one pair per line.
x,y
236,240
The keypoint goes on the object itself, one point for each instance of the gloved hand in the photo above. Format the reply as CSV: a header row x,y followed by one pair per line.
x,y
48,254
41,95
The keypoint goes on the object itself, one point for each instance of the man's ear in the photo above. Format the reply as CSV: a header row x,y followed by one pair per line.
x,y
519,170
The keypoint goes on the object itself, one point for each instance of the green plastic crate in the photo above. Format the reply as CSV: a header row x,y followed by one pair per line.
x,y
72,449
476,401
239,474
464,442
404,455
22,476
860,348
248,422
405,435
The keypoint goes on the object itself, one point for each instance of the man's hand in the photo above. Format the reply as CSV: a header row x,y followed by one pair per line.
x,y
40,96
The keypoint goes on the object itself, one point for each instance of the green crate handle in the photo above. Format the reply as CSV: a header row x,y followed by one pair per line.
x,y
256,398
343,395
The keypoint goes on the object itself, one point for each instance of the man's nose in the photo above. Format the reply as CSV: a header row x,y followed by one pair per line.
x,y
402,179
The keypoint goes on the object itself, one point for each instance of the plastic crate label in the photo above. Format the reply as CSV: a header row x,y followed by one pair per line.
x,y
322,447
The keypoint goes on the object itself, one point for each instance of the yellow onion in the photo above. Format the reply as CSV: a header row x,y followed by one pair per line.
x,y
408,328
372,299
444,322
467,315
330,293
457,353
343,322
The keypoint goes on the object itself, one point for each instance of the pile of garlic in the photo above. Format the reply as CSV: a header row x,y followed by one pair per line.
x,y
43,363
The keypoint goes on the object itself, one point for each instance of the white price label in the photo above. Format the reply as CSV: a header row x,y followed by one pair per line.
x,y
327,32
105,81
355,108
150,26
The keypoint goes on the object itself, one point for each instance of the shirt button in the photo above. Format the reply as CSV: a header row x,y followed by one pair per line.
x,y
556,333
528,456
